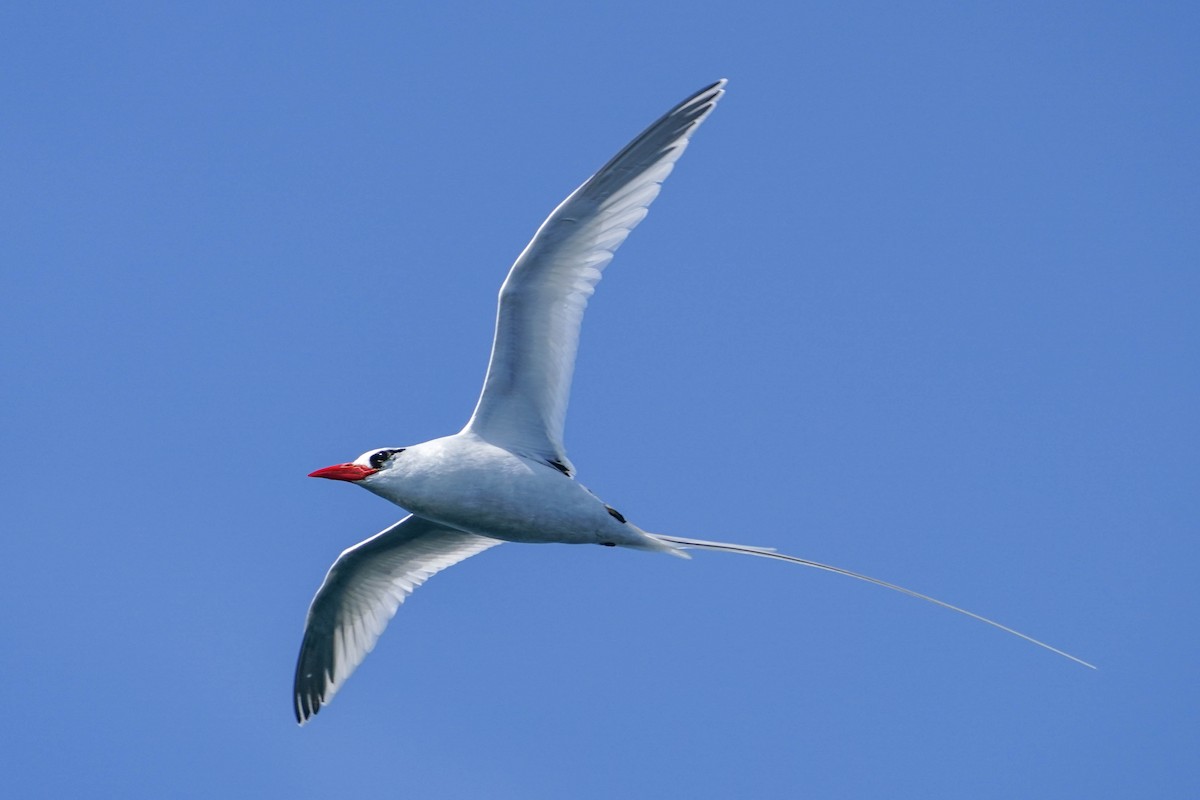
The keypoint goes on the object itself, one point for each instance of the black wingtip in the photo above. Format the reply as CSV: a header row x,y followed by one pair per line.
x,y
717,88
305,708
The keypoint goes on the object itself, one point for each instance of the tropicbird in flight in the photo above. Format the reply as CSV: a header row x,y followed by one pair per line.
x,y
505,477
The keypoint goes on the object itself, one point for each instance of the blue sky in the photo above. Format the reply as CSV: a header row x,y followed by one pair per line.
x,y
919,301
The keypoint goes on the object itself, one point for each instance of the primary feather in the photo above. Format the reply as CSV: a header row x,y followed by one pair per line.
x,y
524,400
361,593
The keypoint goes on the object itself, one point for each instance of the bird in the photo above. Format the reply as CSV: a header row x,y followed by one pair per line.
x,y
505,477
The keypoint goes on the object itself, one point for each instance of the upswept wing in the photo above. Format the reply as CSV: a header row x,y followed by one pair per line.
x,y
361,593
524,400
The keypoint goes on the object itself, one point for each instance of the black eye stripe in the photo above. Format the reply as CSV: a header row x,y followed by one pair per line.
x,y
377,460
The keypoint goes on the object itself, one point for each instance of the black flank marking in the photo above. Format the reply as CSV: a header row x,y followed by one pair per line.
x,y
616,514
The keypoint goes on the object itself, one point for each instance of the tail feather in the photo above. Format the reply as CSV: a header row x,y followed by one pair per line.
x,y
768,552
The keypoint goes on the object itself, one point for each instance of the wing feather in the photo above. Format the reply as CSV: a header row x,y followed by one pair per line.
x,y
524,401
361,593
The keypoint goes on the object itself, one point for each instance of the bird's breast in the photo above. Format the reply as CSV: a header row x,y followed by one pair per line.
x,y
489,491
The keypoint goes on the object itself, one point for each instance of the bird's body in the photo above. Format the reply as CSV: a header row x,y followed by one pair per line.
x,y
506,476
466,483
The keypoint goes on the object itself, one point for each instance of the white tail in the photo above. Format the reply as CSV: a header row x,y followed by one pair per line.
x,y
767,552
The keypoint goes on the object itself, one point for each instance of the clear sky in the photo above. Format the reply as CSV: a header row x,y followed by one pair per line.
x,y
920,301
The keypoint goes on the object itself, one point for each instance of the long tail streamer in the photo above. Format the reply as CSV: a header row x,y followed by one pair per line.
x,y
766,552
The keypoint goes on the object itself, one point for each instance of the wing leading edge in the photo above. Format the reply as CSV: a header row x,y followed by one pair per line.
x,y
525,394
360,595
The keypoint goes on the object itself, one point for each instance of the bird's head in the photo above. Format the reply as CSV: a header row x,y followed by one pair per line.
x,y
366,465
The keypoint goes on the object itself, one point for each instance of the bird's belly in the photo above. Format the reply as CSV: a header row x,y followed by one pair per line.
x,y
517,516
512,499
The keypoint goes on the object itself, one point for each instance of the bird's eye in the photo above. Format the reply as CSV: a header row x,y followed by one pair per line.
x,y
377,460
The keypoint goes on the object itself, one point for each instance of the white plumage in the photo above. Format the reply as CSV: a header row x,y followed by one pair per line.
x,y
506,476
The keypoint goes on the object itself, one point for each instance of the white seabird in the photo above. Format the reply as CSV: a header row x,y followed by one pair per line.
x,y
506,475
